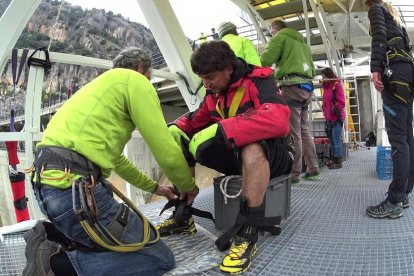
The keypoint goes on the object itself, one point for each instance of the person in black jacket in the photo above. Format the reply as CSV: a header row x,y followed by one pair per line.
x,y
392,67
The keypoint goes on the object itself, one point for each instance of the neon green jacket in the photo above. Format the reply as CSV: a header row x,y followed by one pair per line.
x,y
292,56
99,119
243,48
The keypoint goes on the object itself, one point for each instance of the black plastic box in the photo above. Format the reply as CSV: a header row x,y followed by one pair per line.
x,y
277,200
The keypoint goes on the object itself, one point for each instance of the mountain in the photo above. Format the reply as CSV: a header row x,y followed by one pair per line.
x,y
73,30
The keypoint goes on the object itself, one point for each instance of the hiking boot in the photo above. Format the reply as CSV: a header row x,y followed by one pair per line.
x,y
336,163
170,227
39,250
406,201
311,176
385,209
239,257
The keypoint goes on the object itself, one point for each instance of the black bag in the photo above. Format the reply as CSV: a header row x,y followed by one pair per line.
x,y
370,140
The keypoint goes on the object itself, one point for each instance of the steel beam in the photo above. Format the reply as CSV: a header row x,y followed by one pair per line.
x,y
255,18
305,13
323,33
331,37
173,45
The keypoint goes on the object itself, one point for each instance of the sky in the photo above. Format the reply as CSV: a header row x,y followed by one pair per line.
x,y
195,16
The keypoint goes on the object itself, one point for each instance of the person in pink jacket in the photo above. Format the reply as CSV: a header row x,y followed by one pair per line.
x,y
333,111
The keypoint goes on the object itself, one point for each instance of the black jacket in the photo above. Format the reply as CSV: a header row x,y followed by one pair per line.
x,y
383,30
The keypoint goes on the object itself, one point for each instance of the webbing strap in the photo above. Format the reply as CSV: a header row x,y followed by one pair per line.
x,y
21,203
266,224
179,205
235,103
104,238
17,73
45,63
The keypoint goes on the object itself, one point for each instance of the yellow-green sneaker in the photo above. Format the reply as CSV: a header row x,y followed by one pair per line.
x,y
311,176
170,227
239,257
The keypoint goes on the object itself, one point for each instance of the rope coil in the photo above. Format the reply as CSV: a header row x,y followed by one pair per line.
x,y
223,187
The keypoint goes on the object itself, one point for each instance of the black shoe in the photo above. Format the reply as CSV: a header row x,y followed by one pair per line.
x,y
406,201
385,209
39,250
170,227
239,257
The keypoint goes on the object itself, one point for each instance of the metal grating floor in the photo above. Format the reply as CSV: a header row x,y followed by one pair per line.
x,y
12,259
328,232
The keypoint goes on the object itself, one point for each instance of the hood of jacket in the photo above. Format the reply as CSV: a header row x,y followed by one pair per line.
x,y
292,33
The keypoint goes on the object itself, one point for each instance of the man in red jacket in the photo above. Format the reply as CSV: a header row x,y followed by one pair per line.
x,y
240,128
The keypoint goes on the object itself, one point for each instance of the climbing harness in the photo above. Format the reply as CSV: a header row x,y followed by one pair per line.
x,y
235,103
83,200
108,237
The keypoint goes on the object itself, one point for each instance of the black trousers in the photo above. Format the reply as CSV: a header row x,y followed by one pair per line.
x,y
397,98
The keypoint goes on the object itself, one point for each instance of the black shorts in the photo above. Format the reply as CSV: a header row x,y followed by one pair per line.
x,y
218,157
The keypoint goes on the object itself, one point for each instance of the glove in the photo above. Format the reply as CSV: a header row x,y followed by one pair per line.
x,y
178,134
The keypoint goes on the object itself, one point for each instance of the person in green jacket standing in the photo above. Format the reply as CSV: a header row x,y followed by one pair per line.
x,y
241,46
294,73
83,143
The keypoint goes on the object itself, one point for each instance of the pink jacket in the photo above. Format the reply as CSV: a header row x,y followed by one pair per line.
x,y
327,106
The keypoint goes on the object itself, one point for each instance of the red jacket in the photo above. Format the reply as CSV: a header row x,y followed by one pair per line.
x,y
262,113
328,105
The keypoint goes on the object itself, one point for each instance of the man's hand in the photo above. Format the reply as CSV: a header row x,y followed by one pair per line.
x,y
190,196
168,191
376,78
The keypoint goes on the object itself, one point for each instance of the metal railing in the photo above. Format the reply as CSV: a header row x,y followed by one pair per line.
x,y
407,14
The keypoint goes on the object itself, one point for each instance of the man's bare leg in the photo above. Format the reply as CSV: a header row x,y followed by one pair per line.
x,y
256,174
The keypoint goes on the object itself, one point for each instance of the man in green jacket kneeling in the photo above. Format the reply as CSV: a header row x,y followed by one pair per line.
x,y
82,144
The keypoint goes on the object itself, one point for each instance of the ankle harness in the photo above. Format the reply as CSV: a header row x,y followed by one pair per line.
x,y
263,224
183,212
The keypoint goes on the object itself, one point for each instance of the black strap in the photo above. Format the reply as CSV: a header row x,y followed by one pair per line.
x,y
17,73
266,224
21,203
16,177
180,205
223,242
45,63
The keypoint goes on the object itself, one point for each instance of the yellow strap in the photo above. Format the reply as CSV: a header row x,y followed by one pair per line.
x,y
120,247
235,103
218,109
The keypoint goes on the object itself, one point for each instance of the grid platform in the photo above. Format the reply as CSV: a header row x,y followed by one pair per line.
x,y
327,233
